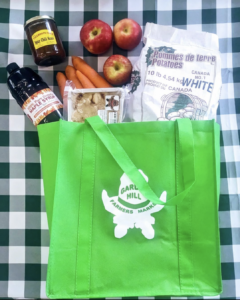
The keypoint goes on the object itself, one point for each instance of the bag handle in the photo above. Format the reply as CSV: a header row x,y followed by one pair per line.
x,y
186,155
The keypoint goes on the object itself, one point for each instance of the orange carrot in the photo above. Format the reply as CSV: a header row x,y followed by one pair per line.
x,y
80,65
86,83
71,75
61,80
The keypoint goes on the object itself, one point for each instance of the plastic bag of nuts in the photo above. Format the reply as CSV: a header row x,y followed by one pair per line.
x,y
106,102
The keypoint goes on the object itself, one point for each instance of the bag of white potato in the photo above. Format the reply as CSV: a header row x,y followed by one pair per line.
x,y
178,75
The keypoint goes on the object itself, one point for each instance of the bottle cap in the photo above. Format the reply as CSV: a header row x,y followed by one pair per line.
x,y
12,67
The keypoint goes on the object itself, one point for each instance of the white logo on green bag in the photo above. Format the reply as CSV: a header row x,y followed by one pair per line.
x,y
131,208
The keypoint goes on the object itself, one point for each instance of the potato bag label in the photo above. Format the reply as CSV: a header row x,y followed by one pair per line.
x,y
178,84
178,75
43,38
40,105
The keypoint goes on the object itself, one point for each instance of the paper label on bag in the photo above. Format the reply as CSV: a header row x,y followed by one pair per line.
x,y
112,102
131,208
112,117
103,115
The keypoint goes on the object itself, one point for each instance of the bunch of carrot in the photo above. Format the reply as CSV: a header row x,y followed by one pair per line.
x,y
82,75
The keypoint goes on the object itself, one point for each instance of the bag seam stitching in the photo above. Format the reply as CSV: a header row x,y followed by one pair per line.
x,y
191,218
177,208
91,224
57,180
216,193
201,292
75,287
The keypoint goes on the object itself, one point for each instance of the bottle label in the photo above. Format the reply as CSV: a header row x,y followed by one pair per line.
x,y
40,105
43,38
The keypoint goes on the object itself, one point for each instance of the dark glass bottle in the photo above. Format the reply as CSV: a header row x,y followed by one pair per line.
x,y
34,96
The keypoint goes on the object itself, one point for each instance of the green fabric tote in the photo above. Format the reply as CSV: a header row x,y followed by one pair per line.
x,y
132,208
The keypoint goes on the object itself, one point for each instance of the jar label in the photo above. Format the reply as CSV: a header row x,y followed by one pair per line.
x,y
43,38
40,105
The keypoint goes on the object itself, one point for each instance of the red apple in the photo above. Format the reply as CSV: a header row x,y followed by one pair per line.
x,y
96,36
127,34
117,69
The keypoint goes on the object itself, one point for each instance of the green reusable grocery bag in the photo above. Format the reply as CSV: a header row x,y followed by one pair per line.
x,y
132,208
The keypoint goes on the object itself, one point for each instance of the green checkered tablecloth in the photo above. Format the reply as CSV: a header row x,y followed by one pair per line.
x,y
24,237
